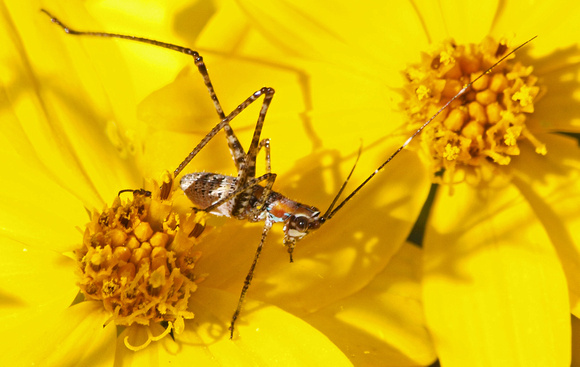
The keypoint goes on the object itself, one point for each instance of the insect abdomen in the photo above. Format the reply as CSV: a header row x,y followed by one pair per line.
x,y
204,189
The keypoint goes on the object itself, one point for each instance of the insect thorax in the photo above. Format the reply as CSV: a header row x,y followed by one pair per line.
x,y
205,188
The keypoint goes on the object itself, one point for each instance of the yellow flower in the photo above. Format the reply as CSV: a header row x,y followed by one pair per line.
x,y
70,142
501,253
337,75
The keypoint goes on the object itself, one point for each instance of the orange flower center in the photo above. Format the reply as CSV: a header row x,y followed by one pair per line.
x,y
482,129
138,259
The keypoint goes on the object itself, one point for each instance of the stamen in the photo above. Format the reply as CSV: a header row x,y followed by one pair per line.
x,y
540,147
524,96
423,92
481,129
150,338
451,152
138,259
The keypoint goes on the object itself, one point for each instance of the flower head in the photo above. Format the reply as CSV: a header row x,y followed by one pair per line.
x,y
128,278
138,259
499,261
481,130
494,264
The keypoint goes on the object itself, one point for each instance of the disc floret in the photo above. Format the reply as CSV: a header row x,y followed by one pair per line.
x,y
484,128
138,259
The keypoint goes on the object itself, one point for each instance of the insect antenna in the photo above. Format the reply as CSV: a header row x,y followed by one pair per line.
x,y
331,212
337,196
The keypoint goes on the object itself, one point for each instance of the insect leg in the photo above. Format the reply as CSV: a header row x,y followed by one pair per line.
x,y
248,168
266,145
247,165
270,181
267,92
197,58
248,192
236,149
250,276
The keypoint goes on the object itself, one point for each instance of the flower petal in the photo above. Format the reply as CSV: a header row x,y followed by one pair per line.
x,y
36,211
526,20
558,109
73,336
383,323
552,190
494,290
466,25
32,276
265,336
59,126
367,39
36,285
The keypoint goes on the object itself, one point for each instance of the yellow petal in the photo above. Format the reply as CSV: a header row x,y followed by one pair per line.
x,y
31,276
360,35
552,190
133,75
518,16
72,336
432,20
59,125
383,323
37,211
266,336
36,285
557,110
466,25
494,290
183,105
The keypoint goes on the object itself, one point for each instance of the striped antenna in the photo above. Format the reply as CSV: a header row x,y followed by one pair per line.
x,y
331,212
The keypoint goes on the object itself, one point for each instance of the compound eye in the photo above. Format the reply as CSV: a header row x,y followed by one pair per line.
x,y
301,224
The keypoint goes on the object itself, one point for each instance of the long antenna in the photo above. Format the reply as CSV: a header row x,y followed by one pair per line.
x,y
343,184
461,92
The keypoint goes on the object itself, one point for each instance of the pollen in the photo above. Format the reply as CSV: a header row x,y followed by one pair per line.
x,y
138,258
451,152
483,129
423,92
